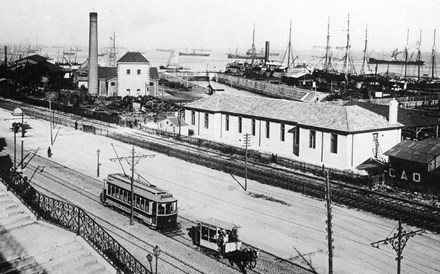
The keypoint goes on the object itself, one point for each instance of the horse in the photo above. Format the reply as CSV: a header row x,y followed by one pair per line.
x,y
244,258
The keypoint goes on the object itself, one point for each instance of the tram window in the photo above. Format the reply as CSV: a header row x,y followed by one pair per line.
x,y
161,209
205,232
170,208
148,206
125,196
141,203
213,235
129,197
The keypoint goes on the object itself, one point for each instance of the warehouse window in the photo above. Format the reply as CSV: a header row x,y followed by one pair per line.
x,y
267,129
206,120
138,71
227,122
282,132
128,71
240,124
193,117
253,127
334,143
312,139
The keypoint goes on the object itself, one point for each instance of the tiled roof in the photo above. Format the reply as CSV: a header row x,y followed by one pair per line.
x,y
333,117
107,72
407,117
133,57
422,152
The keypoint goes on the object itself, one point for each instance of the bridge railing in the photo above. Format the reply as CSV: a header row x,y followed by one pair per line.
x,y
74,219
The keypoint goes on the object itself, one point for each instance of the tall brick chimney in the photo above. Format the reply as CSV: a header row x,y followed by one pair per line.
x,y
93,54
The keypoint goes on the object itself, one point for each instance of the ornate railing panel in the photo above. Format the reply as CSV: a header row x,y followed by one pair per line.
x,y
75,219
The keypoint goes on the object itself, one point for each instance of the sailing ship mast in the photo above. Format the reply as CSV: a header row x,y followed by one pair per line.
x,y
253,47
327,48
419,55
289,46
406,51
364,60
347,49
112,55
433,58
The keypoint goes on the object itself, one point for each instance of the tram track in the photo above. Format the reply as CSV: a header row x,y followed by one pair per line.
x,y
391,206
267,263
95,198
319,187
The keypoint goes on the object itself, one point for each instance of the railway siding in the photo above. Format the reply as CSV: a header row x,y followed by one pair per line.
x,y
413,213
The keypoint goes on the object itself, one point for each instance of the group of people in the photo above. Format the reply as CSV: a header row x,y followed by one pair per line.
x,y
225,238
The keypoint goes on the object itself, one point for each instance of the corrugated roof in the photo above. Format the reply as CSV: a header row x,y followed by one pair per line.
x,y
422,152
133,57
333,117
107,72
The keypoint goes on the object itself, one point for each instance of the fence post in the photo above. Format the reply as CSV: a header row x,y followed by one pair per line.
x,y
78,232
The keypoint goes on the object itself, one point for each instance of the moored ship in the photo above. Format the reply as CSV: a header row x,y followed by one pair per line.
x,y
195,52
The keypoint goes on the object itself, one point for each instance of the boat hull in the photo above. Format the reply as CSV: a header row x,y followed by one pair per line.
x,y
395,62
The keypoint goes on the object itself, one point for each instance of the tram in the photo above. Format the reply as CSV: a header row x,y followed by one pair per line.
x,y
153,206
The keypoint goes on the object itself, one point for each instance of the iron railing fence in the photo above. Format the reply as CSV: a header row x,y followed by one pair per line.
x,y
75,219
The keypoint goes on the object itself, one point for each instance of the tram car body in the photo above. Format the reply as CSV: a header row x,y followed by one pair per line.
x,y
153,206
216,235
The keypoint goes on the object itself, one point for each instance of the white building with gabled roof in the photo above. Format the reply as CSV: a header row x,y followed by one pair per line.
x,y
319,133
133,75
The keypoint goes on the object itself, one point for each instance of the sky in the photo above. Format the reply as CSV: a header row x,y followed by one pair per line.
x,y
220,24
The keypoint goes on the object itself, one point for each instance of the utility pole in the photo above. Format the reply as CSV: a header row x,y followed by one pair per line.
x,y
50,122
98,164
132,161
329,223
398,241
247,141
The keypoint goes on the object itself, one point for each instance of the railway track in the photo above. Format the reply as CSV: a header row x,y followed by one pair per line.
x,y
411,212
266,263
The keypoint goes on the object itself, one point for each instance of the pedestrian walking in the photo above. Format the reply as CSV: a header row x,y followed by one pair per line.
x,y
76,125
49,152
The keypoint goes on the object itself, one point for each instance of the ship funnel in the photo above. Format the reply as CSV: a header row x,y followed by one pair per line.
x,y
392,114
93,54
266,53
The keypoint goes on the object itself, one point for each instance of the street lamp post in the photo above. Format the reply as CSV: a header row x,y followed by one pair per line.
x,y
15,128
156,252
18,112
98,164
150,259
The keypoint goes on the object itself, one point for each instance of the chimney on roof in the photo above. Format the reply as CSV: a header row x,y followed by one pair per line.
x,y
93,54
393,108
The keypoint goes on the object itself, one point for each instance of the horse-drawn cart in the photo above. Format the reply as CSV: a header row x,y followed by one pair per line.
x,y
221,238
